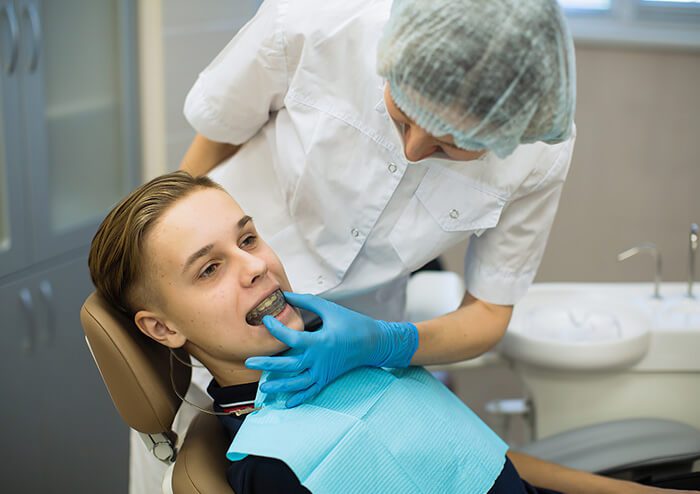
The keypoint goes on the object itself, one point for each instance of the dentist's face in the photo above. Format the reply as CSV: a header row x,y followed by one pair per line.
x,y
418,144
212,272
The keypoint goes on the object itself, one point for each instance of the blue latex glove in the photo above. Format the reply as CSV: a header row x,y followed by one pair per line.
x,y
346,340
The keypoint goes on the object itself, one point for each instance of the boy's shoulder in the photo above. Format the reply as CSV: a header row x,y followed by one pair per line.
x,y
257,474
253,474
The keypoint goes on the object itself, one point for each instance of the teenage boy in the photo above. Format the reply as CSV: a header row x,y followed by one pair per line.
x,y
181,257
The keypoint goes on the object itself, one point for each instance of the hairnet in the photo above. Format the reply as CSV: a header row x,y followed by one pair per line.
x,y
491,73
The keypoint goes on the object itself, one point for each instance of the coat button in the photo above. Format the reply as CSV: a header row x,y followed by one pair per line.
x,y
392,167
355,232
454,214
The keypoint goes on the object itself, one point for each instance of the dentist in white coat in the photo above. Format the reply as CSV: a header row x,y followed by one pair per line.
x,y
366,138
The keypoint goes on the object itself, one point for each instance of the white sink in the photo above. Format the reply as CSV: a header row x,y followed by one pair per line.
x,y
593,352
576,330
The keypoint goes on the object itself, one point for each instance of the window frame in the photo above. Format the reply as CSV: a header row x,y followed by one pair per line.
x,y
637,22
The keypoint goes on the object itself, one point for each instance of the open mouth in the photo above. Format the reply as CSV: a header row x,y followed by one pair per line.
x,y
272,305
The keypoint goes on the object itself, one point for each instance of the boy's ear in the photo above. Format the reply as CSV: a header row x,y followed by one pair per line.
x,y
154,327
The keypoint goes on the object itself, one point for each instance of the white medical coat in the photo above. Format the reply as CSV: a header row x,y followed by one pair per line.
x,y
325,177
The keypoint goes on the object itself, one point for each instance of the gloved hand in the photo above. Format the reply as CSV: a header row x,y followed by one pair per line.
x,y
346,340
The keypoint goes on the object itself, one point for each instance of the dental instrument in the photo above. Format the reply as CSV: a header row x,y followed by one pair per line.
x,y
237,413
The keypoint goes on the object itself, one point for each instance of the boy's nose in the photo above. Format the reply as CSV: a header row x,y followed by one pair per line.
x,y
253,269
418,144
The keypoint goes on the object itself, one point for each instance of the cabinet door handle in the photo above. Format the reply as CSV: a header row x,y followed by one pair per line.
x,y
29,12
46,291
25,298
9,12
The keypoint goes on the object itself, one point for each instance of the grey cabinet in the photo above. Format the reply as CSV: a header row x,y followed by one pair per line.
x,y
61,432
13,251
68,151
19,368
69,132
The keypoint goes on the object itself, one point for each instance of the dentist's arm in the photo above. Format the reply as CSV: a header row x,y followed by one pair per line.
x,y
204,154
474,328
559,478
348,339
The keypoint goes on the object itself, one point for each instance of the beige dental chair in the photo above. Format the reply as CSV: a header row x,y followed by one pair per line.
x,y
136,372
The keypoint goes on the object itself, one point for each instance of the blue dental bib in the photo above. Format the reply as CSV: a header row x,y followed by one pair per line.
x,y
376,430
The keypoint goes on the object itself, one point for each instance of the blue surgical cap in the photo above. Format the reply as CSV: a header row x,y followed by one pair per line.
x,y
491,73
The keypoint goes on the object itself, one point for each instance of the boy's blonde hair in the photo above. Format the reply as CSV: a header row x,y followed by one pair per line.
x,y
116,257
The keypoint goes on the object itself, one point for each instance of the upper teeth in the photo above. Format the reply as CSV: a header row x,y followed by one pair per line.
x,y
271,305
267,302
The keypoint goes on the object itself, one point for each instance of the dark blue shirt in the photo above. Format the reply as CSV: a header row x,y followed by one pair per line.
x,y
253,474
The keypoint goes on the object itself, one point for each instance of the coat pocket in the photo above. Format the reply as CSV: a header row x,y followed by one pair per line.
x,y
446,209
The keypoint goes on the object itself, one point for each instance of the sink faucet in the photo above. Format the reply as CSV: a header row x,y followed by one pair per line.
x,y
650,248
691,257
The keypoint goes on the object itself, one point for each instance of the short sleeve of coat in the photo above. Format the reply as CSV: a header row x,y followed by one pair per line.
x,y
502,263
234,96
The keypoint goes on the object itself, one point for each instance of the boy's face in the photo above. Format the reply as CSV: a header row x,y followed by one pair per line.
x,y
209,270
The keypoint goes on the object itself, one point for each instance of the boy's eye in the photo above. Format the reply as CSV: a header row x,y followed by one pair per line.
x,y
208,271
248,241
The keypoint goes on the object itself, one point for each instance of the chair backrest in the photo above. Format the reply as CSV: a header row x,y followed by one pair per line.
x,y
134,367
136,370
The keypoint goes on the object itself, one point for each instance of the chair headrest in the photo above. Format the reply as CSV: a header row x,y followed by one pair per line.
x,y
135,368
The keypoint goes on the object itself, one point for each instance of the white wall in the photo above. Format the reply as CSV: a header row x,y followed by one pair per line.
x,y
190,34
